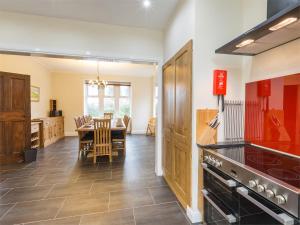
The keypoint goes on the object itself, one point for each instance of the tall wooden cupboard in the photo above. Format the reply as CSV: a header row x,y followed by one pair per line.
x,y
177,123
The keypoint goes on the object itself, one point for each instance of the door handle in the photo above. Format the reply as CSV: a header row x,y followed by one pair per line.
x,y
229,217
282,217
228,183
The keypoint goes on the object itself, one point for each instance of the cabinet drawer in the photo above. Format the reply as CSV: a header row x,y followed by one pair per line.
x,y
34,128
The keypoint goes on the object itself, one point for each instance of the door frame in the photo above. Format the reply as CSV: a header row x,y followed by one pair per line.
x,y
158,62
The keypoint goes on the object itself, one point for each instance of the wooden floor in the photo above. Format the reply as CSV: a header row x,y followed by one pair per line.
x,y
58,189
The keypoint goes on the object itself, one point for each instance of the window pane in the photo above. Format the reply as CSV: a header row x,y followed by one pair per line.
x,y
92,90
109,105
92,106
109,90
124,91
124,107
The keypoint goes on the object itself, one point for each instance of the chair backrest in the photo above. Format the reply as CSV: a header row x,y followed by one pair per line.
x,y
82,120
108,115
152,121
126,120
77,122
102,132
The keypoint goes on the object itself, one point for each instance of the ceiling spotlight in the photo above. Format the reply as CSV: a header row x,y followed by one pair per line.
x,y
244,43
147,3
283,23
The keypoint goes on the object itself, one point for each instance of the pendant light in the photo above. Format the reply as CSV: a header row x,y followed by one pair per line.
x,y
98,82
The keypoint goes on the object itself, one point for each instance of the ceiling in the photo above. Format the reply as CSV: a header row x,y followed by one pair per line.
x,y
89,67
116,12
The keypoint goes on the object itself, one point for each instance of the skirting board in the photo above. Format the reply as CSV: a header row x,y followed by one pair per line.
x,y
194,215
138,132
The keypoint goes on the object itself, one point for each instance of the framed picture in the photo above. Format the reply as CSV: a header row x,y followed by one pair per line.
x,y
35,94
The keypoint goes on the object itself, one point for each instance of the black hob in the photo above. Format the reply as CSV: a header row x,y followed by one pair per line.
x,y
282,167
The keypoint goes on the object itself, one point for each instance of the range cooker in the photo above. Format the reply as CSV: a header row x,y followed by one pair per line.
x,y
247,184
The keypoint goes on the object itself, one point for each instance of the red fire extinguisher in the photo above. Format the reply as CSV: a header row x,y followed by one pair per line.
x,y
220,85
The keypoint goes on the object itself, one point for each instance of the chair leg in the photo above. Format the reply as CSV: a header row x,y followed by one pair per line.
x,y
95,156
79,151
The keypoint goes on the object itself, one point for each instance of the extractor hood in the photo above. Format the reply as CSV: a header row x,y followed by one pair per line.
x,y
277,30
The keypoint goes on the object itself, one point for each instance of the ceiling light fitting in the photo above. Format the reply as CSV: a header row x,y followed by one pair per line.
x,y
147,3
98,82
283,23
245,43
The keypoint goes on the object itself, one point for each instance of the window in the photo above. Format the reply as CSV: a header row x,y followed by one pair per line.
x,y
113,98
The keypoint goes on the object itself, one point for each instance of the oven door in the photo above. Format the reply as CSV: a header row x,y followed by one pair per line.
x,y
258,210
220,197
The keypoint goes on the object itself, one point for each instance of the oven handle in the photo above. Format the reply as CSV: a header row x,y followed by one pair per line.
x,y
282,217
230,218
229,183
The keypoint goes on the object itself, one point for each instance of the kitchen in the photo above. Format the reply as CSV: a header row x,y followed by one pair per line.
x,y
243,184
252,175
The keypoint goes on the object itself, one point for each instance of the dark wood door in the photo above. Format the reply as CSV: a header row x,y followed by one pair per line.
x,y
15,116
177,123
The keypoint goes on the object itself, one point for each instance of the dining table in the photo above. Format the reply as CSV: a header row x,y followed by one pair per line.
x,y
117,126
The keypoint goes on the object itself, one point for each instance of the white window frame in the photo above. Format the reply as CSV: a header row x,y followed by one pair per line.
x,y
101,96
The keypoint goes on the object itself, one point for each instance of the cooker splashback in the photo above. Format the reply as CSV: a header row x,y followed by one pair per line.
x,y
272,113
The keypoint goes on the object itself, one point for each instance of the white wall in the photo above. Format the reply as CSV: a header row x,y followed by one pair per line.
x,y
39,77
27,32
180,29
68,89
211,23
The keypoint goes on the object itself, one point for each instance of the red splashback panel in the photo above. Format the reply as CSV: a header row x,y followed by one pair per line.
x,y
272,116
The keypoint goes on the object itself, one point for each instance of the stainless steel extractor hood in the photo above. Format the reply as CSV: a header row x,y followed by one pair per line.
x,y
279,29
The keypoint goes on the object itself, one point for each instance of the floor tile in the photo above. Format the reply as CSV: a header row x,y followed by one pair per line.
x,y
119,217
25,194
59,178
4,191
84,204
164,214
65,221
4,209
129,199
63,190
162,195
20,182
32,211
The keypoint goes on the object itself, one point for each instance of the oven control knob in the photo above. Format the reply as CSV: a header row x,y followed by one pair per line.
x,y
270,193
213,161
206,158
260,188
280,199
252,183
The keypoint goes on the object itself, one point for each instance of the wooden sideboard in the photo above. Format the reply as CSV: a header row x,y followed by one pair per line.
x,y
53,130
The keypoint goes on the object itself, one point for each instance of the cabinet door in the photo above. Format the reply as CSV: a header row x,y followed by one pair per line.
x,y
15,124
177,123
183,122
168,119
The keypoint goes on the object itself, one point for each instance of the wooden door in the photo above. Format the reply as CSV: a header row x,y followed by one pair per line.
x,y
168,118
15,116
177,115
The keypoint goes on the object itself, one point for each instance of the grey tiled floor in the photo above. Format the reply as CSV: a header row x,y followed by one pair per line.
x,y
58,189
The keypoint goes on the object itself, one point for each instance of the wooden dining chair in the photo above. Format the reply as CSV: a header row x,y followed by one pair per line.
x,y
151,126
102,139
85,141
108,115
126,120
